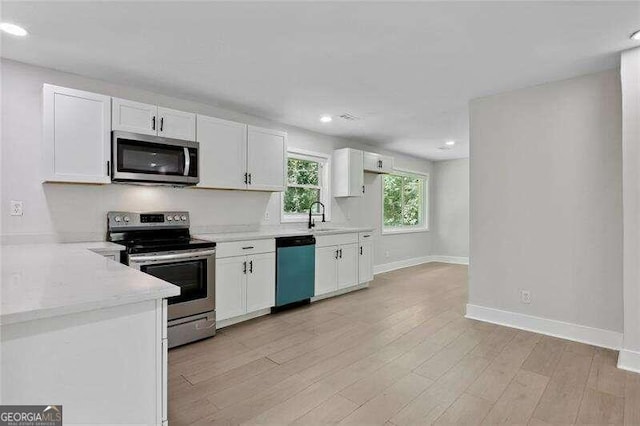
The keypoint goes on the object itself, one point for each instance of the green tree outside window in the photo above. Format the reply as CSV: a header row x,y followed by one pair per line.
x,y
303,186
403,201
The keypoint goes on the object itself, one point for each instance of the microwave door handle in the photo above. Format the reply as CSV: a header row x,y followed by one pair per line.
x,y
187,161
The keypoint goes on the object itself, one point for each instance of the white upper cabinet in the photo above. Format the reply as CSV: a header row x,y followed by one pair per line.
x,y
266,154
348,173
223,153
76,135
176,124
377,163
137,117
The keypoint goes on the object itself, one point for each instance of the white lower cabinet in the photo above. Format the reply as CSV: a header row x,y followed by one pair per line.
x,y
348,266
326,270
244,283
230,287
261,287
110,364
365,261
336,262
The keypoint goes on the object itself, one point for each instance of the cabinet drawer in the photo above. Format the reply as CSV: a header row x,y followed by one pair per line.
x,y
336,239
363,237
241,248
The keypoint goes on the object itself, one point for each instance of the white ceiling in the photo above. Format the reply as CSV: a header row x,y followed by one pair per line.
x,y
407,70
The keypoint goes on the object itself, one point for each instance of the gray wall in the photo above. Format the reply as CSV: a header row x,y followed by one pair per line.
x,y
451,208
54,212
630,75
546,201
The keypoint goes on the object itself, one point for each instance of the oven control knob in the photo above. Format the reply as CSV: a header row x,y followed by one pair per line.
x,y
183,217
117,218
127,219
169,218
176,217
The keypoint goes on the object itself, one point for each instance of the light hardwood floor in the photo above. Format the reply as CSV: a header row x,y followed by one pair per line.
x,y
398,353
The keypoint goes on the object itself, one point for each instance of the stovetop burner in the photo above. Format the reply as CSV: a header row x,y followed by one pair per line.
x,y
153,232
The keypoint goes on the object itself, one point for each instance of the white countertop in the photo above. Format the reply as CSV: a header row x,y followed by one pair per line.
x,y
47,280
263,234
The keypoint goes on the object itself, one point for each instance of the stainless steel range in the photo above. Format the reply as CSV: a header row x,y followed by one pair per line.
x,y
159,244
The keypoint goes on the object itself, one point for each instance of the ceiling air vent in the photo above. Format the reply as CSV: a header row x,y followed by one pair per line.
x,y
349,117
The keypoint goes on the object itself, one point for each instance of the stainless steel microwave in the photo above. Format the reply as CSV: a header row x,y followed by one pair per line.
x,y
148,159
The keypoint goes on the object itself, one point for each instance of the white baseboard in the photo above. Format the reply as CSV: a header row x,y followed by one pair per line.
x,y
451,259
392,266
339,292
629,360
565,330
241,318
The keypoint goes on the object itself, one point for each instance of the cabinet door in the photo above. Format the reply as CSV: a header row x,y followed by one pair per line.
x,y
326,270
371,162
377,163
386,164
223,153
266,152
365,261
348,173
348,265
130,116
231,282
261,281
176,124
77,135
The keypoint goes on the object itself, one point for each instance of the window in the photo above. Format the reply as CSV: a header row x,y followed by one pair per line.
x,y
307,182
404,203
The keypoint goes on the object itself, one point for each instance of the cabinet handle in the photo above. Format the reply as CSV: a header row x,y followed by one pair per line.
x,y
108,168
360,250
337,253
340,253
244,267
246,178
248,248
363,189
379,164
251,267
161,123
249,178
153,123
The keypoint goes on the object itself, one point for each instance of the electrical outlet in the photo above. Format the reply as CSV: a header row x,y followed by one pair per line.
x,y
266,216
16,208
525,296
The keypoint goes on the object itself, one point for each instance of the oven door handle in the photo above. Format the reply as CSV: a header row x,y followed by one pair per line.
x,y
176,256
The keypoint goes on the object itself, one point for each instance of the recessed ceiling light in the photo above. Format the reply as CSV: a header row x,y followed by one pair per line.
x,y
13,29
326,119
450,143
635,36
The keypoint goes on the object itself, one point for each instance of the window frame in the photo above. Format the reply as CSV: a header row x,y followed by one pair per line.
x,y
324,179
405,229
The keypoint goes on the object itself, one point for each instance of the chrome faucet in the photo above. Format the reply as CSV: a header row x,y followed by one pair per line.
x,y
311,221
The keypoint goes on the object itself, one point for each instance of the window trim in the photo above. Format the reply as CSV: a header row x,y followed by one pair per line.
x,y
325,187
424,227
